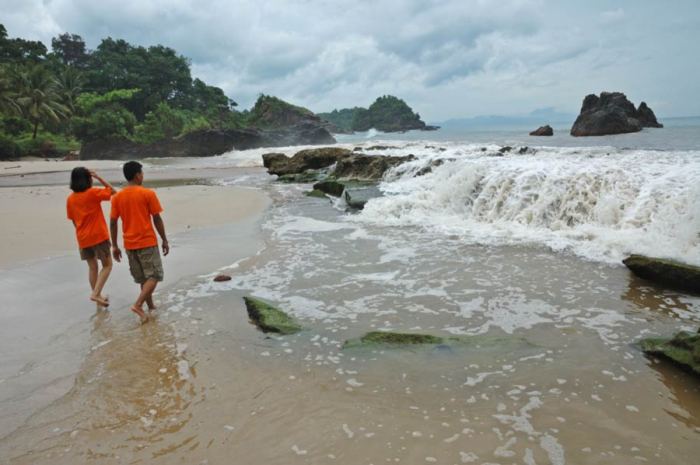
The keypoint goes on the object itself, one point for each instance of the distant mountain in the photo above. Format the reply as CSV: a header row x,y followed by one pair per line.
x,y
387,114
532,120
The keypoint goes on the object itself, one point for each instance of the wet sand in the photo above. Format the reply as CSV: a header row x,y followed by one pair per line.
x,y
46,321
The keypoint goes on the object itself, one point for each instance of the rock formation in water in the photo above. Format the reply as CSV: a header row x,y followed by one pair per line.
x,y
612,113
543,131
667,272
682,349
386,114
268,318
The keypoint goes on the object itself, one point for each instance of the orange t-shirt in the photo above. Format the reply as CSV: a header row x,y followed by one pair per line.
x,y
83,208
135,205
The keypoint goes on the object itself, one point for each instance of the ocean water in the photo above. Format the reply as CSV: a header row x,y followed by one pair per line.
x,y
518,252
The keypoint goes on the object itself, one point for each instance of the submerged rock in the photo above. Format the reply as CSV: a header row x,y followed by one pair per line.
x,y
683,349
222,277
543,131
358,197
268,318
316,193
611,113
669,272
390,338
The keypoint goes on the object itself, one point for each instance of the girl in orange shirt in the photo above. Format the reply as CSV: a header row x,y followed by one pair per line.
x,y
84,210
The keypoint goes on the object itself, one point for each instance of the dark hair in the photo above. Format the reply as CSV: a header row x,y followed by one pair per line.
x,y
131,169
80,179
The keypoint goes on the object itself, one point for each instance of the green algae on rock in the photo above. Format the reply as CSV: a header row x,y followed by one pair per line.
x,y
330,187
268,318
316,193
390,338
669,272
683,349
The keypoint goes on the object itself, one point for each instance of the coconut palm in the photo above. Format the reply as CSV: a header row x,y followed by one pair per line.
x,y
39,97
70,85
8,97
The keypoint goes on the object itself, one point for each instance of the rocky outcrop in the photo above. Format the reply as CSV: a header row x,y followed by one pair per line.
x,y
330,187
304,160
366,167
268,318
375,338
543,131
667,272
358,197
611,113
220,278
682,349
348,165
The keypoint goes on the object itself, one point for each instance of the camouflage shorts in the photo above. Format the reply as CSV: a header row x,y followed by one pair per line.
x,y
145,264
99,251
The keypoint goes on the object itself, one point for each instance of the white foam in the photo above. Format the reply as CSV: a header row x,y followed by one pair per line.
x,y
600,206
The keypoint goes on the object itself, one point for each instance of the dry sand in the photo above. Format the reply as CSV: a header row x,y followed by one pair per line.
x,y
34,222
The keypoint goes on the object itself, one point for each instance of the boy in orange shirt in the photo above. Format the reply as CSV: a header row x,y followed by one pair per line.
x,y
135,205
84,210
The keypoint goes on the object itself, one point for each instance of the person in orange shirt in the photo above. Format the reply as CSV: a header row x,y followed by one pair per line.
x,y
84,210
136,205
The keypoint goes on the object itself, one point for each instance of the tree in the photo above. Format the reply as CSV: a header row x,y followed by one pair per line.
x,y
39,98
104,116
20,50
161,123
70,49
70,85
8,95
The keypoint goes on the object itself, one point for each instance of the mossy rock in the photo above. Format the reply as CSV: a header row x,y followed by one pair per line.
x,y
268,318
683,349
667,272
302,178
330,187
316,193
374,338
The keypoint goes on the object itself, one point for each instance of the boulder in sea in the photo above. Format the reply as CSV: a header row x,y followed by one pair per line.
x,y
330,187
683,349
222,277
664,271
505,149
611,113
310,159
543,131
366,167
358,197
268,318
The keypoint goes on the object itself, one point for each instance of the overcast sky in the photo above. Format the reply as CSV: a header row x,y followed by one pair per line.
x,y
446,58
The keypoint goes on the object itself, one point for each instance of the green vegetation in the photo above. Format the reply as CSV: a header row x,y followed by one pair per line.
x,y
50,100
683,349
387,113
270,111
268,318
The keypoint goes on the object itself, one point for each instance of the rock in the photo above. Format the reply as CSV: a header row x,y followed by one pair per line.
x,y
683,349
390,338
543,131
316,193
310,159
73,155
505,149
222,277
268,318
366,167
668,272
379,147
611,113
647,117
303,178
358,197
333,188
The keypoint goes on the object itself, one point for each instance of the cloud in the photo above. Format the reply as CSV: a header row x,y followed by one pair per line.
x,y
446,58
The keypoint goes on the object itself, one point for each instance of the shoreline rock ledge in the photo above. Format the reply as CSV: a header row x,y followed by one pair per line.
x,y
545,130
612,113
671,273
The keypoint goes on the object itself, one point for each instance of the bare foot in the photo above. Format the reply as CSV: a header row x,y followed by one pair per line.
x,y
139,312
99,300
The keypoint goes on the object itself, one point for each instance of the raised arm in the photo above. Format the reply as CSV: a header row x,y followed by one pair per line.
x,y
103,182
160,227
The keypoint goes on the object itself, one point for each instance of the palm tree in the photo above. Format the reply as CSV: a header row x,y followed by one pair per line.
x,y
8,101
70,85
39,97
